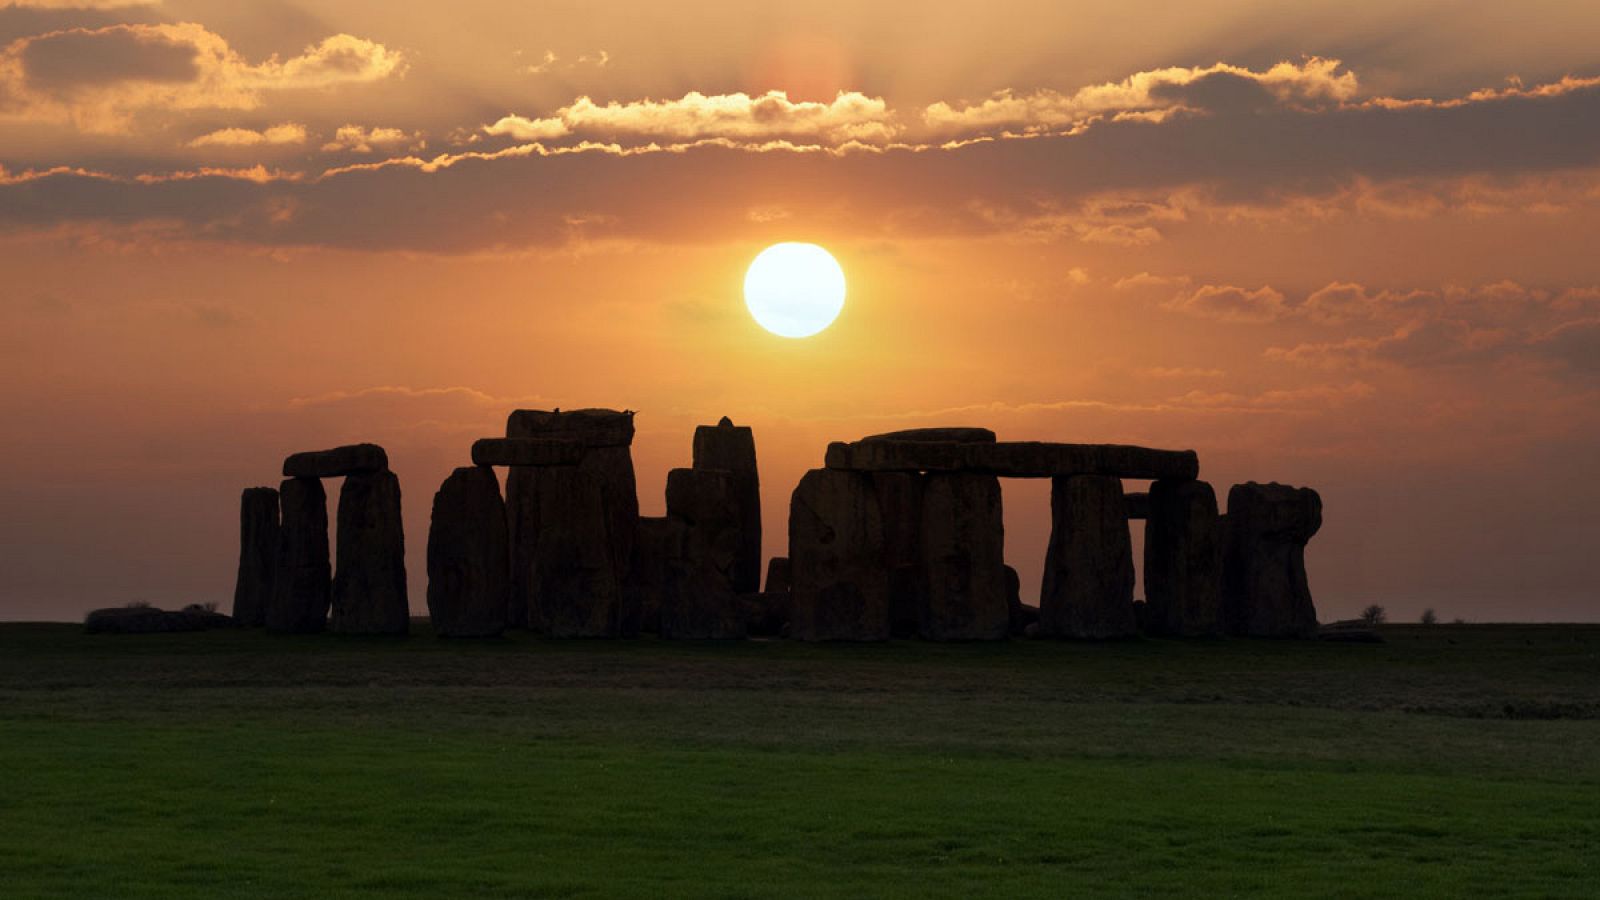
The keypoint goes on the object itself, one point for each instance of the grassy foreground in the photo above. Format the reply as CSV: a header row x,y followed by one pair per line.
x,y
1450,761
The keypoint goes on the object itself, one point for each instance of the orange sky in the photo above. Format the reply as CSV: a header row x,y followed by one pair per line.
x,y
1348,245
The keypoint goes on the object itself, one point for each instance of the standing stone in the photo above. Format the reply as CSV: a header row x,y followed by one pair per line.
x,y
659,549
779,575
258,556
899,496
469,566
1088,570
606,488
840,590
1183,560
369,585
304,581
561,554
702,603
1265,592
963,559
1021,616
732,448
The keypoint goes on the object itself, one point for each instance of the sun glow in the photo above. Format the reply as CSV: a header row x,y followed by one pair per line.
x,y
794,290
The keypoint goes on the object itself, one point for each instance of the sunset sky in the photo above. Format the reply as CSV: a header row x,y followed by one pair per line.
x,y
1352,245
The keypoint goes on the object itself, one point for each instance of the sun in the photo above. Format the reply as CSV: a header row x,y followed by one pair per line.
x,y
794,290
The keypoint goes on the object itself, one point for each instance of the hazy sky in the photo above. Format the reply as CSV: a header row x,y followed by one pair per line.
x,y
1350,245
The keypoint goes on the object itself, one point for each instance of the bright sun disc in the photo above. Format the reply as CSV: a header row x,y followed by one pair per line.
x,y
794,290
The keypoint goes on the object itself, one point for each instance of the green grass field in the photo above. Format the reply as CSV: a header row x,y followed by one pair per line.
x,y
1452,761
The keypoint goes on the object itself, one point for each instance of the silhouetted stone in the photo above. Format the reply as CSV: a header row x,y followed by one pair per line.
x,y
900,502
778,575
766,614
1088,571
1183,560
1265,593
840,590
702,604
732,448
1013,459
940,435
659,550
303,586
353,459
258,556
1020,614
525,452
149,620
1354,632
963,559
369,585
469,561
1138,505
599,492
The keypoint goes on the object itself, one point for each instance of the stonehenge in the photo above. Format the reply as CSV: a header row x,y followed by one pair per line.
x,y
895,535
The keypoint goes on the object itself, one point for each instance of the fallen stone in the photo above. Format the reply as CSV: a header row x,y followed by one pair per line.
x,y
702,604
469,561
840,590
525,452
369,585
899,497
778,575
1183,560
1138,505
149,620
1013,459
732,448
963,560
353,459
1264,588
1357,633
258,556
1088,572
564,570
940,435
303,586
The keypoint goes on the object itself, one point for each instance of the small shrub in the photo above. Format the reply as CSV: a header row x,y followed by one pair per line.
x,y
1374,615
1428,617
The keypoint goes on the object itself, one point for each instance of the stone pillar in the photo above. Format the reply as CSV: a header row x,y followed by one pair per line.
x,y
659,549
779,575
732,448
562,553
899,497
840,590
369,585
609,502
303,585
963,559
702,603
1264,588
1183,560
1088,570
469,550
258,556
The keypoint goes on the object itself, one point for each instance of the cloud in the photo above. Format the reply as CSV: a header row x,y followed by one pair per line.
x,y
1575,345
100,79
357,139
1227,303
287,133
78,4
850,116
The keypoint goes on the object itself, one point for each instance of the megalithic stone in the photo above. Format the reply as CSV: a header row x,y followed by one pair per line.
x,y
963,559
369,585
561,554
353,459
1265,592
899,496
303,586
840,590
779,575
1088,569
702,604
659,550
469,562
732,448
258,556
1183,560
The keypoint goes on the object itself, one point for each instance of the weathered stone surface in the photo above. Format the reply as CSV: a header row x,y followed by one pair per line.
x,y
702,604
149,620
589,427
732,448
840,590
1183,560
525,452
1264,587
659,550
953,435
1138,505
369,585
778,575
352,459
1088,571
564,572
258,556
303,586
900,503
1013,459
963,560
469,556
